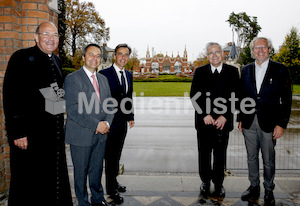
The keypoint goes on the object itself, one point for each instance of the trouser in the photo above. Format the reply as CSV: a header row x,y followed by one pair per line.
x,y
212,140
88,163
256,139
113,151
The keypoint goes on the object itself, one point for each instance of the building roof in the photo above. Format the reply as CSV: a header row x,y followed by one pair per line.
x,y
231,48
233,51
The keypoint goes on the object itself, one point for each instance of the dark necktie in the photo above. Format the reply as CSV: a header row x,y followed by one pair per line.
x,y
123,81
216,72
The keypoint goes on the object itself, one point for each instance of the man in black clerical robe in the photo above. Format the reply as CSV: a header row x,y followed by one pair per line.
x,y
39,174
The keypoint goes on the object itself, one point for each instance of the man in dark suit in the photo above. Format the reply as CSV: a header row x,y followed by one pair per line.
x,y
120,82
268,84
214,82
88,123
39,174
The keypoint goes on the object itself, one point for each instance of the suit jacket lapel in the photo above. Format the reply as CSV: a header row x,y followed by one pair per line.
x,y
86,79
252,77
115,75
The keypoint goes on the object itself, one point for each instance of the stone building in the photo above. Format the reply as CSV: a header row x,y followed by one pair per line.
x,y
18,22
107,57
166,64
231,54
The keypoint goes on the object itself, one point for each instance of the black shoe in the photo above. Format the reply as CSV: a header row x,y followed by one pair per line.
x,y
219,192
204,190
121,188
251,193
115,196
269,198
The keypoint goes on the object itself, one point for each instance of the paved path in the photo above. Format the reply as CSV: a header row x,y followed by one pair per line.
x,y
160,160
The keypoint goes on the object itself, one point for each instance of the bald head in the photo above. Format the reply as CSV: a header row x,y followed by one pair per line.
x,y
47,37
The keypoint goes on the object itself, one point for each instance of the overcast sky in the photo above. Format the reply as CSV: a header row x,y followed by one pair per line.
x,y
171,25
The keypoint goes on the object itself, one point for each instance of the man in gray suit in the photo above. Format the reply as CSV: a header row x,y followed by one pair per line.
x,y
88,120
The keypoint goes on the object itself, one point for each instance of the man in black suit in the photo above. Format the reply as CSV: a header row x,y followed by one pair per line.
x,y
268,84
121,86
212,87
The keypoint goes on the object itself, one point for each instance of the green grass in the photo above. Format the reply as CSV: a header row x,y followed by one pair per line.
x,y
172,89
296,89
165,78
162,89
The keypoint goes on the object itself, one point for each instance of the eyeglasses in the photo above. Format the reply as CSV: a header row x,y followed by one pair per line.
x,y
261,47
47,35
212,53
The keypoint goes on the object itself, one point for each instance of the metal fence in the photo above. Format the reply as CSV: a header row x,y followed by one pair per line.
x,y
287,147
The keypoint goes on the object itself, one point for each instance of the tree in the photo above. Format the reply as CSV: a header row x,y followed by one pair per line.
x,y
245,56
246,28
201,60
289,54
133,62
66,61
83,25
61,26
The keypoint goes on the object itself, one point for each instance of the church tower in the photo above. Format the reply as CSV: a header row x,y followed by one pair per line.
x,y
185,52
148,53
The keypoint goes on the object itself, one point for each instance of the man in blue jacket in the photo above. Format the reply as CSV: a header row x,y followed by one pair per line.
x,y
268,84
121,87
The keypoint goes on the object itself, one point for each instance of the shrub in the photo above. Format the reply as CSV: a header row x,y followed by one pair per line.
x,y
67,71
163,78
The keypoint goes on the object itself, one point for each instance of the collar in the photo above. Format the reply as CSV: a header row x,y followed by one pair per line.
x,y
41,52
117,69
88,72
263,65
219,68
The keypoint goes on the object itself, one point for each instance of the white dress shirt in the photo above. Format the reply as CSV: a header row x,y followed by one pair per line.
x,y
89,74
260,72
117,69
219,68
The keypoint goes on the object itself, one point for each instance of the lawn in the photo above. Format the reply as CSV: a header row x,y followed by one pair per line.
x,y
160,89
172,89
296,89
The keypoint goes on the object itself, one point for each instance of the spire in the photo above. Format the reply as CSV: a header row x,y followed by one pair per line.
x,y
185,52
148,53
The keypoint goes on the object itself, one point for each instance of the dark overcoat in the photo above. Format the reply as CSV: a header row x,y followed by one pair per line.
x,y
39,174
204,83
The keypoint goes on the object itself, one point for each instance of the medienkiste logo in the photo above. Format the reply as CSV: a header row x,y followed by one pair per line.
x,y
54,102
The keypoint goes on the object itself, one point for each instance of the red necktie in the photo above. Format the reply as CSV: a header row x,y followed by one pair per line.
x,y
96,87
